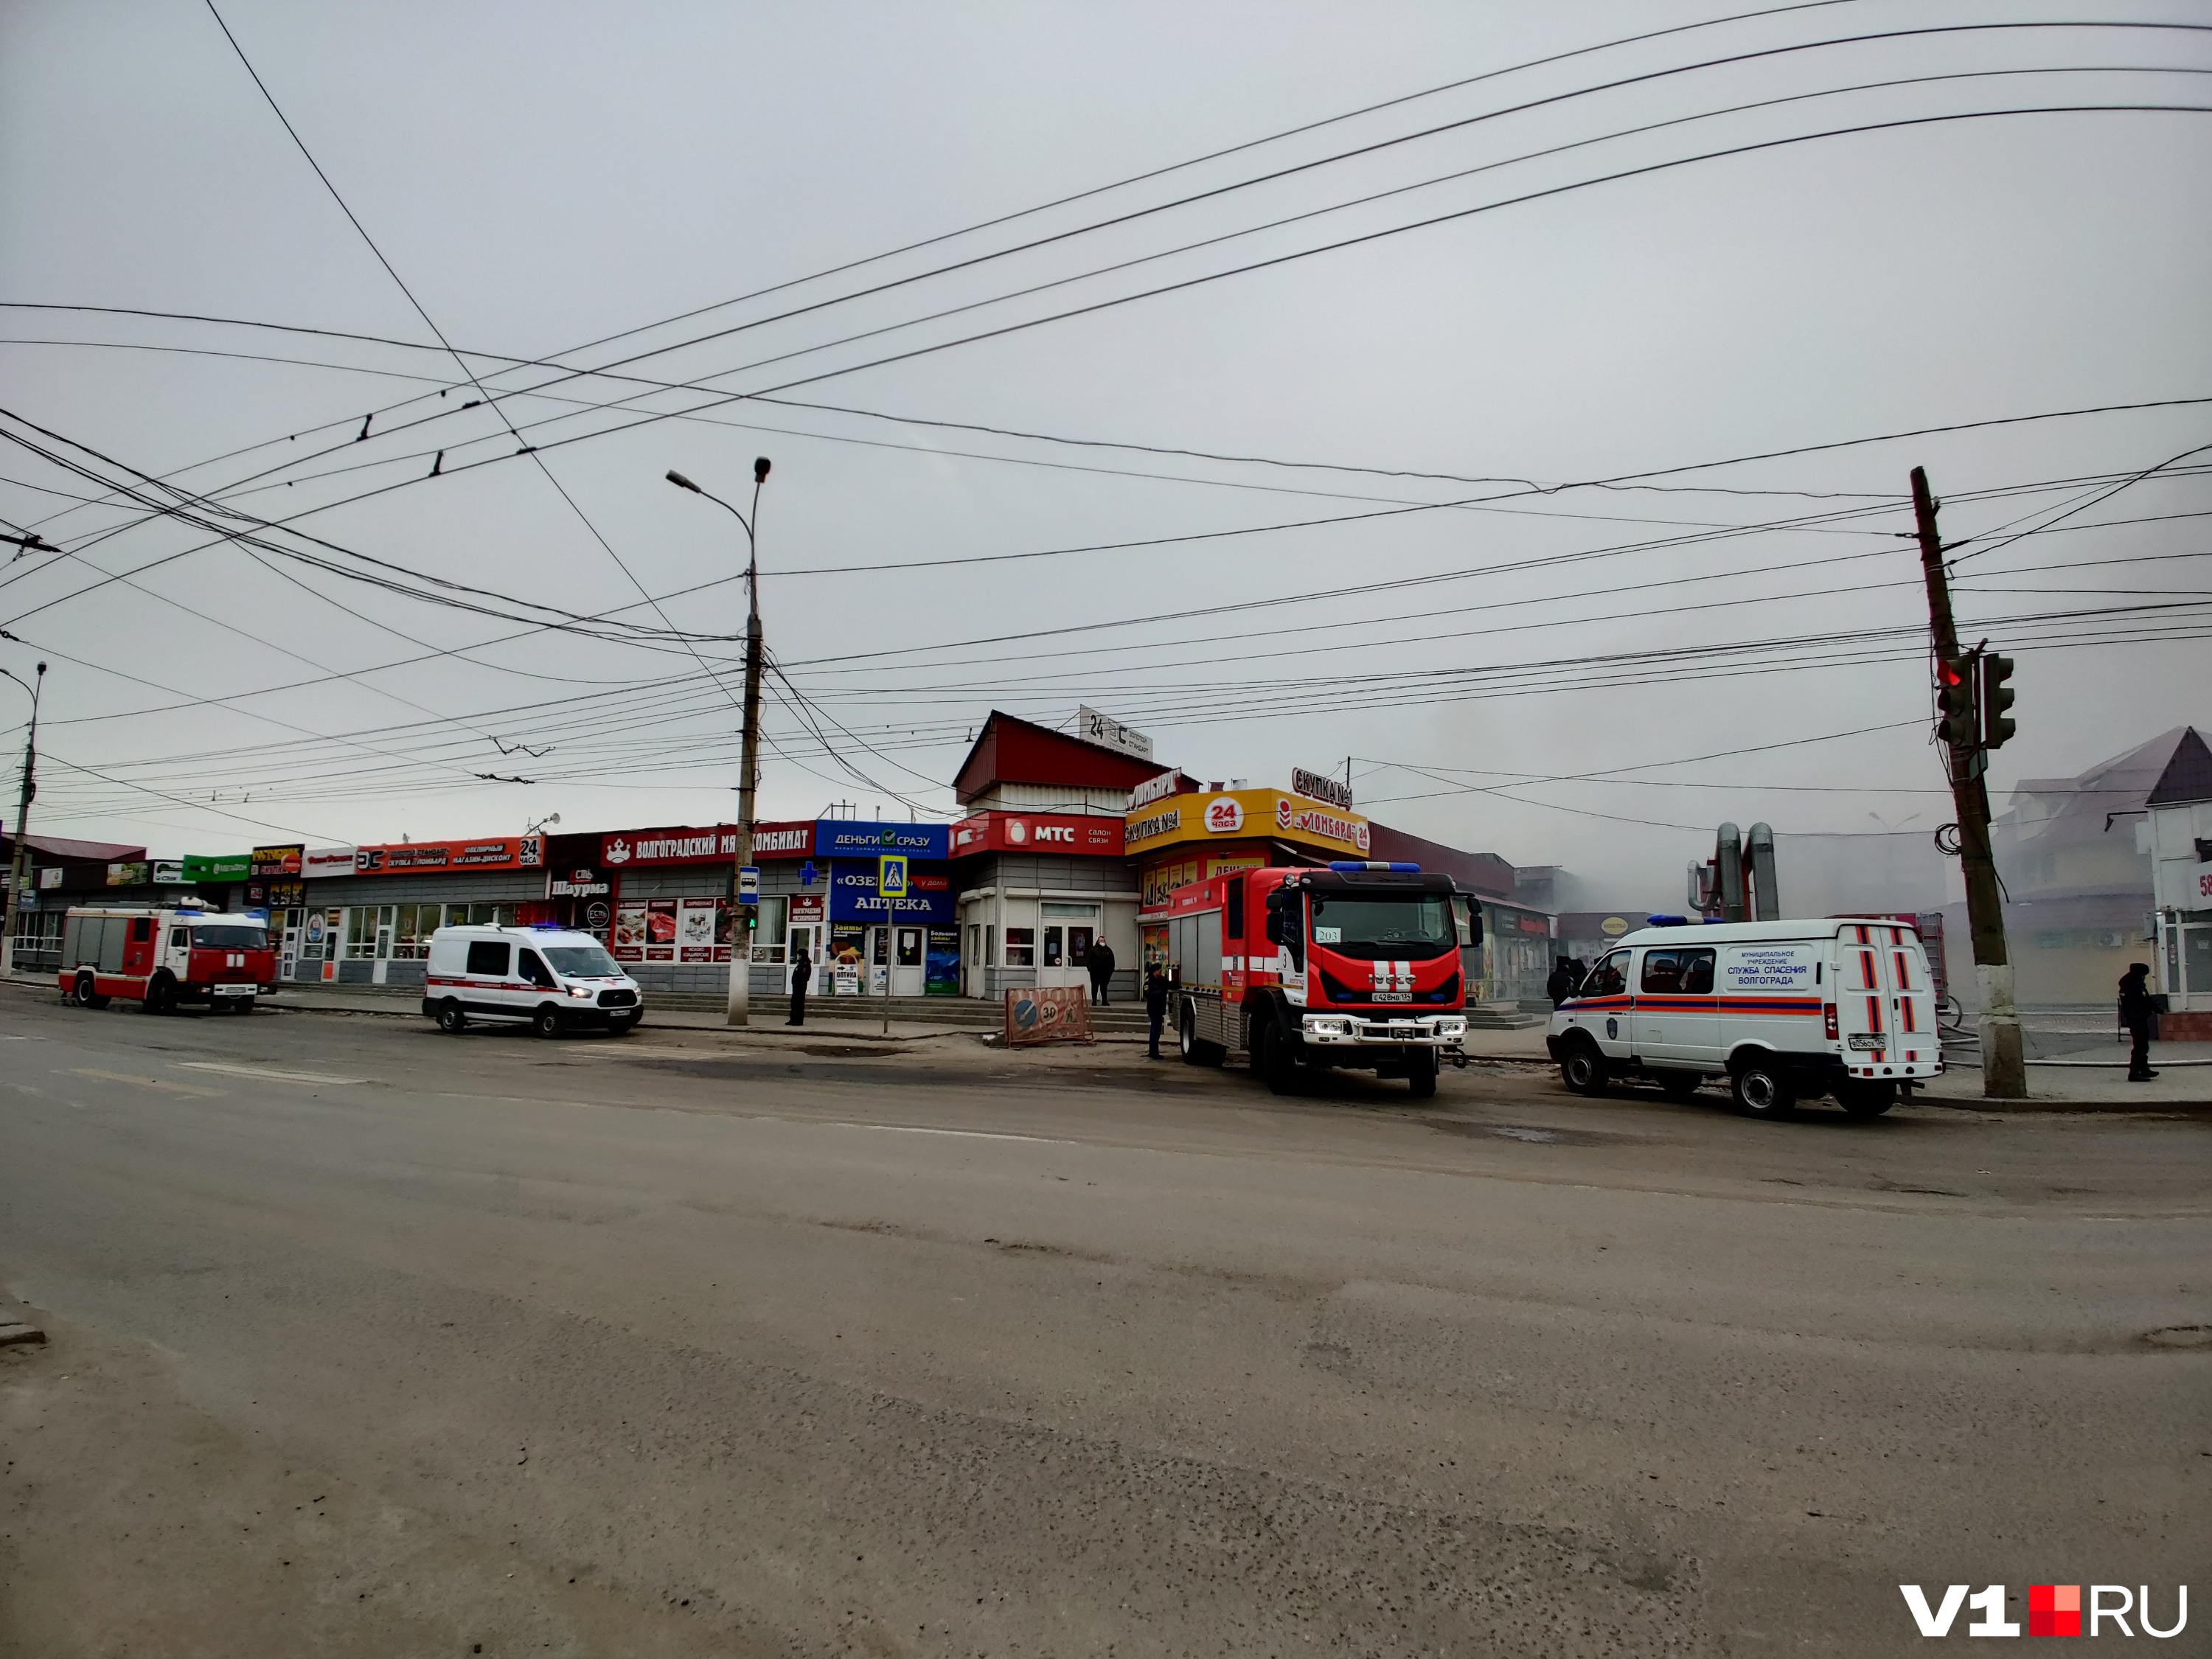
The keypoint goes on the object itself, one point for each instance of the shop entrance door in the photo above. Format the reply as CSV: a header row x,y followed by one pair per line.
x,y
906,967
1068,930
2196,966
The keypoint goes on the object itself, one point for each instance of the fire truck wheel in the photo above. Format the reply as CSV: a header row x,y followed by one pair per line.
x,y
1195,1053
1421,1074
1866,1099
1761,1088
549,1022
450,1020
85,992
1582,1068
1274,1058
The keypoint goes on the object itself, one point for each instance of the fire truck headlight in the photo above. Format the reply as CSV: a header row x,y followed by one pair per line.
x,y
1324,1027
1451,1029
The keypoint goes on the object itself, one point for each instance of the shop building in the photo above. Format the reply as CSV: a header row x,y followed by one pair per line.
x,y
1185,836
363,915
2177,833
2078,877
1040,862
1180,837
58,872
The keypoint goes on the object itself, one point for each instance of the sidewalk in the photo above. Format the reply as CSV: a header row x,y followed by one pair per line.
x,y
2183,1083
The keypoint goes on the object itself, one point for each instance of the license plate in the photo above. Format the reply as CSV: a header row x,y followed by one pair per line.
x,y
1869,1040
1394,996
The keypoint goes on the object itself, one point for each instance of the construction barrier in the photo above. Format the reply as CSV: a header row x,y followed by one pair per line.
x,y
1062,1014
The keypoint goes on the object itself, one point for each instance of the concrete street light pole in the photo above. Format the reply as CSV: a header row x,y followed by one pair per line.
x,y
22,823
740,1006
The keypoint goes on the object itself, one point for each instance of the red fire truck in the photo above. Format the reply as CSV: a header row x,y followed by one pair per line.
x,y
1357,965
164,958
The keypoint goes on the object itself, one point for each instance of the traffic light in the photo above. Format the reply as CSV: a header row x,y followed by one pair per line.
x,y
1955,722
752,917
1995,697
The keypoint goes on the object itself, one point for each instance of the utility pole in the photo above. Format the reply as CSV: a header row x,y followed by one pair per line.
x,y
2004,1067
740,1005
21,852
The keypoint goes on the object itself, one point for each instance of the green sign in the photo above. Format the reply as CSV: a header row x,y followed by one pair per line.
x,y
227,866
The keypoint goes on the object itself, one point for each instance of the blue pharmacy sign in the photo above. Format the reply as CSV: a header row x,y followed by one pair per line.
x,y
854,896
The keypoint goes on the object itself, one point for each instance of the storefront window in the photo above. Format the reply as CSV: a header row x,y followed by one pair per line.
x,y
484,915
360,931
410,936
1021,947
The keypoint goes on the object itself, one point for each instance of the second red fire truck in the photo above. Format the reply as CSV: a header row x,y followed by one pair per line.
x,y
1357,965
163,959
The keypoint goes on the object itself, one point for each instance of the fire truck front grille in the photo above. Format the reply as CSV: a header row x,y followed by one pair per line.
x,y
1337,991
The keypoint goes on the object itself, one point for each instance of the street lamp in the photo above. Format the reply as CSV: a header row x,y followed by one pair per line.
x,y
22,823
741,955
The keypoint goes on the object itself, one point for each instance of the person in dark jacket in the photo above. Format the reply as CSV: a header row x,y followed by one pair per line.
x,y
1156,1005
1562,983
2138,1013
1101,963
802,972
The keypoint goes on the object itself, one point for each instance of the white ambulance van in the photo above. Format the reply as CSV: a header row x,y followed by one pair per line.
x,y
556,980
1784,1011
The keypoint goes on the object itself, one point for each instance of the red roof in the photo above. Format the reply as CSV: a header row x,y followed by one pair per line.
x,y
89,852
1010,750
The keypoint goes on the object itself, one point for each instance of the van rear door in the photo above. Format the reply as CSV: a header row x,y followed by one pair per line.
x,y
1885,996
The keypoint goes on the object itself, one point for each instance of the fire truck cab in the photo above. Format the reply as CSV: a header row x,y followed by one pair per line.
x,y
165,957
1357,965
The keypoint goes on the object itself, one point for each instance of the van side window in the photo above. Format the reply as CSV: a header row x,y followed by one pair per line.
x,y
534,969
1608,979
1679,973
487,957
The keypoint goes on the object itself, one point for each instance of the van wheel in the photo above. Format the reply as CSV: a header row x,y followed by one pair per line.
x,y
548,1022
1761,1089
85,992
1421,1074
1866,1099
1582,1068
450,1020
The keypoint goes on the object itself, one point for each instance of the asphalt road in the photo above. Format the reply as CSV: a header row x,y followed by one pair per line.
x,y
370,1341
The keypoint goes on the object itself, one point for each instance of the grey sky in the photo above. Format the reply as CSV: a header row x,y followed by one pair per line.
x,y
542,176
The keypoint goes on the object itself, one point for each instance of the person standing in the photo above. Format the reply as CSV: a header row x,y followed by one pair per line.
x,y
1101,963
802,973
1562,983
2138,1013
1156,1005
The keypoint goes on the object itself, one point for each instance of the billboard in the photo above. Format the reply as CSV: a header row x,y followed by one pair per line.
x,y
432,857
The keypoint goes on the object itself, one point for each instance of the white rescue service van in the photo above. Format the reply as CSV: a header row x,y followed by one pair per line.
x,y
1784,1011
555,979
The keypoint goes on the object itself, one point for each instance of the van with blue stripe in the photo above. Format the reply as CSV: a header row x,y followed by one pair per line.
x,y
1782,1011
